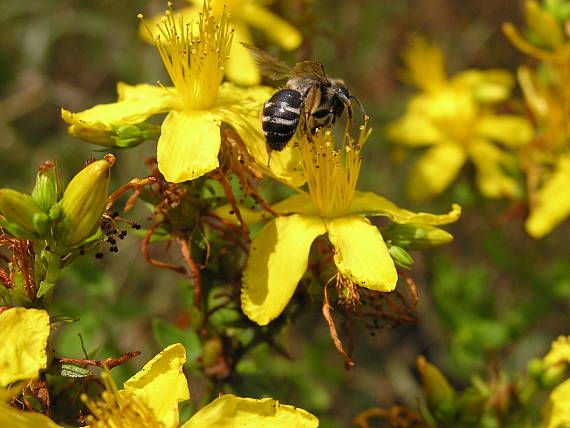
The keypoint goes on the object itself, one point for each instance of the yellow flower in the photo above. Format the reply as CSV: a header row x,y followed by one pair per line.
x,y
556,411
455,117
279,253
24,334
194,54
547,160
150,399
241,68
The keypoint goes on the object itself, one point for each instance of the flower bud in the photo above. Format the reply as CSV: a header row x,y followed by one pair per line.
x,y
126,136
401,257
439,394
553,375
48,187
18,210
416,236
84,201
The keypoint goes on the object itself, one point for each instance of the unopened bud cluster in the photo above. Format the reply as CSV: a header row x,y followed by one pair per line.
x,y
64,220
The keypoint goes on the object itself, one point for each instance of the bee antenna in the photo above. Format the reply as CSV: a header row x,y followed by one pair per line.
x,y
360,106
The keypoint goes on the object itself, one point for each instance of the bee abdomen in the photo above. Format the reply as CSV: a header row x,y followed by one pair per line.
x,y
281,117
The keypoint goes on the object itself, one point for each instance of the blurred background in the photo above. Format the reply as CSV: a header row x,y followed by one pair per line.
x,y
494,297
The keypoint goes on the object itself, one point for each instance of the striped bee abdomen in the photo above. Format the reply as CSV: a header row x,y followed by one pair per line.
x,y
281,117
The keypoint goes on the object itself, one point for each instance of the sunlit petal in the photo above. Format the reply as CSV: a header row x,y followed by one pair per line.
x,y
361,254
414,129
280,31
130,111
24,334
162,384
16,418
241,68
508,129
188,146
492,164
556,411
229,411
435,170
371,204
277,261
552,201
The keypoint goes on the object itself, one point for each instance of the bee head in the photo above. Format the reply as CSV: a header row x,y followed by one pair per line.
x,y
341,100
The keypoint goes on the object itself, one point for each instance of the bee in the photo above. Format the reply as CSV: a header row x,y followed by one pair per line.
x,y
310,98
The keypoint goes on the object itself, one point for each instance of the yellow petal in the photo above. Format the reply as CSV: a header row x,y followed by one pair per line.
x,y
241,108
129,111
414,129
488,86
277,261
278,30
241,68
492,164
556,411
162,385
143,90
559,351
425,65
371,204
16,418
361,254
188,146
552,201
24,334
229,411
435,170
508,129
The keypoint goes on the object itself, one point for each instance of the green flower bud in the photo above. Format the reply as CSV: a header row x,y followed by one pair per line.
x,y
48,187
553,375
401,257
127,136
18,210
84,202
416,236
439,394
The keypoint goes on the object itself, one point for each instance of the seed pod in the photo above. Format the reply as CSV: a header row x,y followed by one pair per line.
x,y
84,201
18,210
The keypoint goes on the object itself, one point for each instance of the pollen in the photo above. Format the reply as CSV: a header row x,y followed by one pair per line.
x,y
331,172
194,54
119,409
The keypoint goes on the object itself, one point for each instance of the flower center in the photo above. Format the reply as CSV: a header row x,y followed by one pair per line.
x,y
194,54
119,409
332,173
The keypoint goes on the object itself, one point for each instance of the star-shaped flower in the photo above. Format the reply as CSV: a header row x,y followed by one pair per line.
x,y
456,119
241,68
194,54
279,253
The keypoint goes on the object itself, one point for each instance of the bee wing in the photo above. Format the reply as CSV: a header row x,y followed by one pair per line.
x,y
269,65
310,70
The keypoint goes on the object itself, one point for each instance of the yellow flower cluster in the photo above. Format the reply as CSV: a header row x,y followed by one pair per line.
x,y
546,91
457,119
148,399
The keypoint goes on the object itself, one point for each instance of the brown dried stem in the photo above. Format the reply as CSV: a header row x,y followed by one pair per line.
x,y
107,363
332,330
